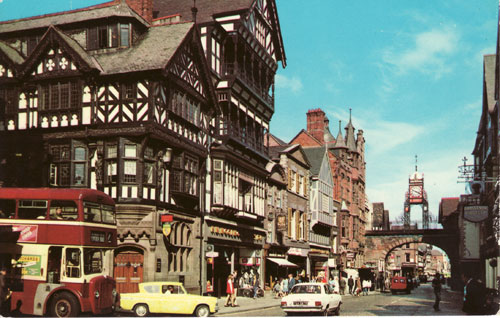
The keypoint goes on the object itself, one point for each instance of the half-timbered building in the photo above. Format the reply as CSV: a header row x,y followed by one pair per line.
x,y
243,45
104,98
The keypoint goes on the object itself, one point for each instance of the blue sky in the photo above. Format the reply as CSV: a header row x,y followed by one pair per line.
x,y
410,70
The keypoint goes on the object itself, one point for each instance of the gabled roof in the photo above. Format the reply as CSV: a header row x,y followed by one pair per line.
x,y
11,53
86,61
276,151
104,10
315,156
304,132
153,51
277,140
448,206
206,8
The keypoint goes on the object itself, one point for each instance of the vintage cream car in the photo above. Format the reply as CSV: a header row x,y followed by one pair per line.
x,y
167,298
307,298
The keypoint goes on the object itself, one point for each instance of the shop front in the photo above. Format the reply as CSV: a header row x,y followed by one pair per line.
x,y
277,266
232,248
319,263
299,257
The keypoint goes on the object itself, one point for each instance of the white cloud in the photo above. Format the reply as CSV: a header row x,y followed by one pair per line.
x,y
294,83
382,136
429,52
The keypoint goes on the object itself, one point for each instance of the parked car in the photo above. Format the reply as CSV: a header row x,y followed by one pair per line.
x,y
167,298
400,284
311,298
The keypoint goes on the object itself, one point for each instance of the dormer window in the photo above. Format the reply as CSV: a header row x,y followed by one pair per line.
x,y
108,36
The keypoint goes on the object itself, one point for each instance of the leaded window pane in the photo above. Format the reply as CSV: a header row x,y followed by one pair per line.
x,y
130,151
79,178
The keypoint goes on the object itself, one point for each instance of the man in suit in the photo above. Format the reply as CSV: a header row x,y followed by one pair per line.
x,y
474,295
291,281
350,283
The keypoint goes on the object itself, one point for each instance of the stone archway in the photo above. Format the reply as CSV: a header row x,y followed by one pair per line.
x,y
380,243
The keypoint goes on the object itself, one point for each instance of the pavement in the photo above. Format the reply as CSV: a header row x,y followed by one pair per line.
x,y
247,304
450,303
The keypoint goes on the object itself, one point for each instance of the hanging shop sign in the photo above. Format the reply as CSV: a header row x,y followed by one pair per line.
x,y
247,261
297,251
476,213
166,223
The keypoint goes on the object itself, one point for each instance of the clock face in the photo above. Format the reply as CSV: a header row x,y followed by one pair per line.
x,y
415,192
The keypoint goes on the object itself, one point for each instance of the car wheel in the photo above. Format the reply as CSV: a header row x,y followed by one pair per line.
x,y
64,305
141,310
202,311
326,311
337,311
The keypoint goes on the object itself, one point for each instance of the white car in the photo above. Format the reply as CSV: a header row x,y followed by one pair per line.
x,y
311,298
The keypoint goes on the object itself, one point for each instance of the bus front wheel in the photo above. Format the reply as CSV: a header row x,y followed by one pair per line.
x,y
64,304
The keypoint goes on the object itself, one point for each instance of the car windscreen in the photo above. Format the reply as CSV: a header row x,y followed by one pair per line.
x,y
306,289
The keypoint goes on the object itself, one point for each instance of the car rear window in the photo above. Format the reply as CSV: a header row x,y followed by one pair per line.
x,y
306,289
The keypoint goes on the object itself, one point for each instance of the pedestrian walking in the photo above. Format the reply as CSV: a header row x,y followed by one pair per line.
x,y
436,285
358,286
256,285
277,288
235,289
229,291
474,295
350,283
284,286
365,287
342,284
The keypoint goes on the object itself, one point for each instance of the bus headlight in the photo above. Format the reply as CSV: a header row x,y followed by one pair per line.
x,y
96,294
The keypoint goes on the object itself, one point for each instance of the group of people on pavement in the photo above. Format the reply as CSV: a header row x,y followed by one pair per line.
x,y
356,287
244,281
282,286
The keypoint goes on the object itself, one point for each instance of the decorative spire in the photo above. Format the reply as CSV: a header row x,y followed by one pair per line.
x,y
194,11
416,163
340,140
350,142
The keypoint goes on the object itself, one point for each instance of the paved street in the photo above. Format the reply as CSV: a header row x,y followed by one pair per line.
x,y
418,303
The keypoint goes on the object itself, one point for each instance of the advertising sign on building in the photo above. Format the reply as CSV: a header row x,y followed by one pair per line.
x,y
471,240
476,213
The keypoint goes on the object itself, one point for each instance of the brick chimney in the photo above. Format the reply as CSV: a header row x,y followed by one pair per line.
x,y
143,7
316,123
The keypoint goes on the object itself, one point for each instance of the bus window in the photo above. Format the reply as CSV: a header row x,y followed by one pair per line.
x,y
32,209
92,212
54,264
73,262
108,214
63,210
7,209
92,261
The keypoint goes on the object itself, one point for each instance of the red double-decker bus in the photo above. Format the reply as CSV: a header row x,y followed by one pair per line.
x,y
57,246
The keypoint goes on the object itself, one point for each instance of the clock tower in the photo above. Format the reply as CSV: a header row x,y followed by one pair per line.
x,y
416,195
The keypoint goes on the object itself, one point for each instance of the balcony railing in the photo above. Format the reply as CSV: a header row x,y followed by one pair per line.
x,y
247,78
322,217
319,239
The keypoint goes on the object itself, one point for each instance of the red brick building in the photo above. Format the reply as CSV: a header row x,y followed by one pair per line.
x,y
348,168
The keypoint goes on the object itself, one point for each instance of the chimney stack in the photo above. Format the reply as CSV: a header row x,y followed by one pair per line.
x,y
143,7
316,123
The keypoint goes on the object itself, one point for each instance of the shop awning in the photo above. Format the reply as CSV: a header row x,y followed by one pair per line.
x,y
282,262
